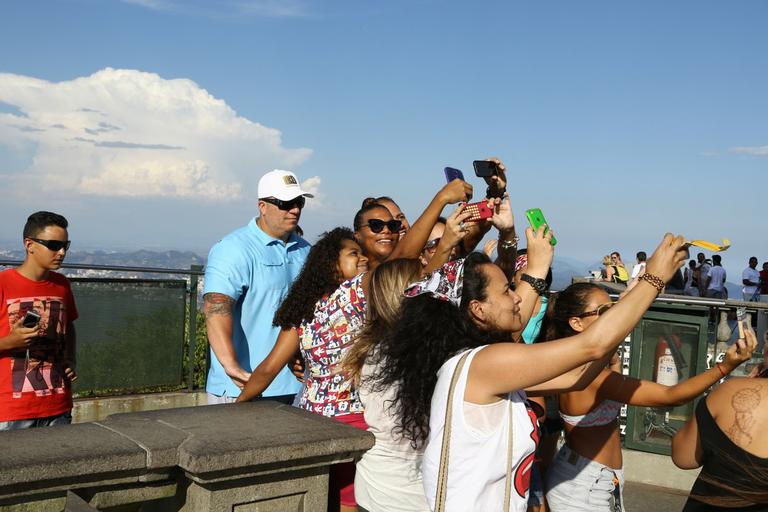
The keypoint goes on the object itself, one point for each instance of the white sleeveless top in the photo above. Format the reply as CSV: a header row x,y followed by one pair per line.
x,y
388,476
477,466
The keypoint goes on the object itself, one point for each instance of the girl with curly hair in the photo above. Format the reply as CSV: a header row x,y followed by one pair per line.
x,y
310,319
456,324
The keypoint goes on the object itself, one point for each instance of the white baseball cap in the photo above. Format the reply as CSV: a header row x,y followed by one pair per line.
x,y
281,185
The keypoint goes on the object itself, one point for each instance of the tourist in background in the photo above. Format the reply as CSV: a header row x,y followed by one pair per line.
x,y
714,282
690,288
750,278
702,269
639,267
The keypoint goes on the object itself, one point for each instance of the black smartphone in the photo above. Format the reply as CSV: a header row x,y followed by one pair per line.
x,y
453,174
485,168
31,319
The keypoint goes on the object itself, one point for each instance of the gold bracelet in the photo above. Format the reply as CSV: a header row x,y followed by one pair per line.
x,y
653,280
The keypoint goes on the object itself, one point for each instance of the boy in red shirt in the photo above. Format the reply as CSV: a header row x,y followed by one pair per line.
x,y
36,361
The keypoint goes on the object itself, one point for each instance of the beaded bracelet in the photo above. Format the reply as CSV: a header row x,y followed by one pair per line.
x,y
653,280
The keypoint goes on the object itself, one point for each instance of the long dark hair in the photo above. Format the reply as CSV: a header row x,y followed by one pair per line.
x,y
563,306
428,333
319,277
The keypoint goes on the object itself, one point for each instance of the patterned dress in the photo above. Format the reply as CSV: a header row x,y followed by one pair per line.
x,y
324,341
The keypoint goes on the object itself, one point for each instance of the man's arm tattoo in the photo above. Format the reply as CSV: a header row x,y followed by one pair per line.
x,y
217,304
744,402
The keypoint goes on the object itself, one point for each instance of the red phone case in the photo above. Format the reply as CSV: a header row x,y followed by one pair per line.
x,y
479,211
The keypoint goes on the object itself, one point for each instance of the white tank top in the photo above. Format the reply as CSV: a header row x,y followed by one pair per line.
x,y
478,460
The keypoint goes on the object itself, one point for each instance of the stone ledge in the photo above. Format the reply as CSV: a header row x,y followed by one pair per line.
x,y
133,457
64,452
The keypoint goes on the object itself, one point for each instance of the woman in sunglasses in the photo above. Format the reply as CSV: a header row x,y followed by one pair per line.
x,y
586,474
378,232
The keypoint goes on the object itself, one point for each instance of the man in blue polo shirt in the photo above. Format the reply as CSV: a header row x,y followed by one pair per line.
x,y
247,275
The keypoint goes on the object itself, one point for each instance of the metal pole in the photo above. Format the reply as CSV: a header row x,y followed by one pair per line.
x,y
192,324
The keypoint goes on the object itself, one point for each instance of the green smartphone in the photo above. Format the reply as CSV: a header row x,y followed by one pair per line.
x,y
536,219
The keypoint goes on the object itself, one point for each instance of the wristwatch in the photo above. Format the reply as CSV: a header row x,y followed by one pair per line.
x,y
540,285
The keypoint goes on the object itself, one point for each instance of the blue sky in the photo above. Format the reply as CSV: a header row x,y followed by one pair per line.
x,y
148,122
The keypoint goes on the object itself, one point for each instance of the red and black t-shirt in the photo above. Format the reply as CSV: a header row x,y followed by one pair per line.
x,y
32,382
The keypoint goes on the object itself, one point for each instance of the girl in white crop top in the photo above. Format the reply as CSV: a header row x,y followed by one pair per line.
x,y
592,431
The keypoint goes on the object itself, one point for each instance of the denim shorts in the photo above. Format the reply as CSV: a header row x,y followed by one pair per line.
x,y
536,489
580,484
50,421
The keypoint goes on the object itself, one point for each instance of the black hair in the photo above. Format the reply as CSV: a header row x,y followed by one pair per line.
x,y
716,259
38,221
692,263
318,278
565,305
429,332
368,205
641,256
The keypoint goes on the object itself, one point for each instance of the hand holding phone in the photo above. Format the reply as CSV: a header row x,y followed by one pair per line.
x,y
479,211
31,318
485,168
453,174
536,219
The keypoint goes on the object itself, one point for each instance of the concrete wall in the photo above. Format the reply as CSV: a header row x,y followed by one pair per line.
x,y
97,409
253,456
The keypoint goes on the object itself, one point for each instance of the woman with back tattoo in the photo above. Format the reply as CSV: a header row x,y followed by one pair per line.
x,y
727,439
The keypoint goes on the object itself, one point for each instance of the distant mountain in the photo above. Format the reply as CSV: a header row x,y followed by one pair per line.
x,y
141,258
564,268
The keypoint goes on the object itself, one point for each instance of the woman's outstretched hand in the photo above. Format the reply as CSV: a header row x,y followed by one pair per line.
x,y
668,257
741,350
540,251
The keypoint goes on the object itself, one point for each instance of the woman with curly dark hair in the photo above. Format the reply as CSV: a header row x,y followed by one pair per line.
x,y
453,338
323,309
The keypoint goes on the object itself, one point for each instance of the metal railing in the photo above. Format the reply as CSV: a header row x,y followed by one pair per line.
x,y
189,276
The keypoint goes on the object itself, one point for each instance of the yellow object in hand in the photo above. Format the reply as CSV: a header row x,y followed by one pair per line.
x,y
709,245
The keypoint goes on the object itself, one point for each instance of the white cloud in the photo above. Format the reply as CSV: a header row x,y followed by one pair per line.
x,y
312,185
127,133
750,150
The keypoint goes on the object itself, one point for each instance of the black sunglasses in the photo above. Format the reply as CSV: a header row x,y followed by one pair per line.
x,y
377,225
53,245
286,205
432,244
599,310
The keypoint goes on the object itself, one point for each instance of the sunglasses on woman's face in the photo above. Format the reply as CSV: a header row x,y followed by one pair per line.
x,y
286,205
53,245
598,311
377,225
